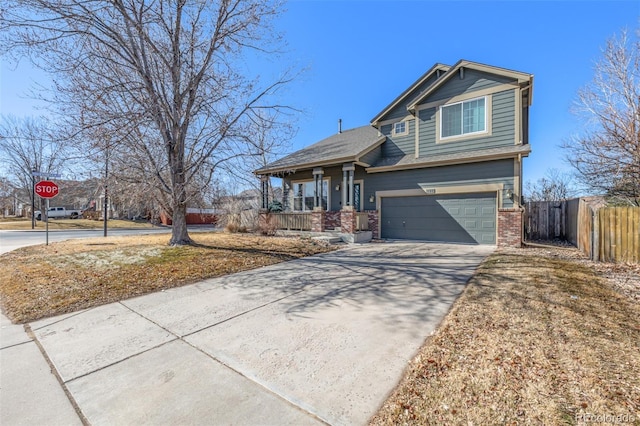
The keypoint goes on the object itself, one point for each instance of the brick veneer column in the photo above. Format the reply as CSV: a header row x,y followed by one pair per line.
x,y
348,220
332,220
510,227
317,220
372,216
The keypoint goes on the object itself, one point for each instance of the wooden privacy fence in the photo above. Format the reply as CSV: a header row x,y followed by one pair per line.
x,y
616,236
546,220
607,234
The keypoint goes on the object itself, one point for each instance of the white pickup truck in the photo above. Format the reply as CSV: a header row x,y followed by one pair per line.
x,y
59,212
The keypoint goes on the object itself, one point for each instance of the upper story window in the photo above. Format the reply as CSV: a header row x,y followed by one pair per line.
x,y
463,118
400,128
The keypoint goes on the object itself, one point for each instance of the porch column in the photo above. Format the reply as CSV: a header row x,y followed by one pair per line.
x,y
347,173
344,188
286,187
318,172
264,189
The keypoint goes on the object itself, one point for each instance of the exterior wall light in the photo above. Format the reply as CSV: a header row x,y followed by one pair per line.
x,y
372,198
509,194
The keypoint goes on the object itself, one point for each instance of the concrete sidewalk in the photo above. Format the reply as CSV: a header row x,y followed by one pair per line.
x,y
317,340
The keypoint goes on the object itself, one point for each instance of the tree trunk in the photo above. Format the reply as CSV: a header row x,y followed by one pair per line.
x,y
179,233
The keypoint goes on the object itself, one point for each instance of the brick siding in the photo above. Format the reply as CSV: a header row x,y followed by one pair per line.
x,y
510,227
372,216
332,220
348,221
317,220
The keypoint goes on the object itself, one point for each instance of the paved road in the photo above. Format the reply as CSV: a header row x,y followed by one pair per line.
x,y
317,340
11,240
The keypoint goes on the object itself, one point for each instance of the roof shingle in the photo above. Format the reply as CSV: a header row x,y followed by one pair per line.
x,y
341,147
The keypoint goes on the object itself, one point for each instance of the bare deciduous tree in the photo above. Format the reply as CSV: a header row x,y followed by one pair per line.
x,y
271,140
7,197
166,81
27,145
555,186
606,156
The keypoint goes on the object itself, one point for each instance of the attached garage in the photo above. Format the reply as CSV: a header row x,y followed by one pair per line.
x,y
460,218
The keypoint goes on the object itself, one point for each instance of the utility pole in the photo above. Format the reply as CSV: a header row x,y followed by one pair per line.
x,y
106,184
33,199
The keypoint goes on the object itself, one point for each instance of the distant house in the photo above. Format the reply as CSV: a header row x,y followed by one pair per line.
x,y
195,216
441,162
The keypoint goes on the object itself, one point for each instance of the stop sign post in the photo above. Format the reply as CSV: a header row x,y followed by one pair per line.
x,y
46,189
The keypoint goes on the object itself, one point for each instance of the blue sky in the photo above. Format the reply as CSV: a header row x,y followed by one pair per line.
x,y
359,55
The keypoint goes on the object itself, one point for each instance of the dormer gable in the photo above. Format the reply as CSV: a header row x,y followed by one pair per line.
x,y
415,90
524,80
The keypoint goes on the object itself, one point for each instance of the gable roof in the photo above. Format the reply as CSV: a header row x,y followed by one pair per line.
x,y
404,95
521,77
347,146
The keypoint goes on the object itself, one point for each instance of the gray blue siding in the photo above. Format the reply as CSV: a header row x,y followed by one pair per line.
x,y
400,111
399,145
502,118
502,129
489,172
372,156
473,81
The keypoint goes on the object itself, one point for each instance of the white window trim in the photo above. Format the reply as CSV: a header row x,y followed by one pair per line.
x,y
293,194
406,128
487,121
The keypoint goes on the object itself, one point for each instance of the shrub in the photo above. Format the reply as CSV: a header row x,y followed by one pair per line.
x,y
266,225
231,228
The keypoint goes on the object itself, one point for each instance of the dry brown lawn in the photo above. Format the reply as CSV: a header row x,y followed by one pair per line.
x,y
21,224
536,338
42,281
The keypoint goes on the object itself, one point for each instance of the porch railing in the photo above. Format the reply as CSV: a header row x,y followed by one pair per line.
x,y
362,222
292,221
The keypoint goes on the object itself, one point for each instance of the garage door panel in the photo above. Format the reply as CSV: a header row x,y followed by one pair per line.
x,y
468,218
471,224
489,211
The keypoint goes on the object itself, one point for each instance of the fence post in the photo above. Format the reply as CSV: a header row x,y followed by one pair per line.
x,y
595,239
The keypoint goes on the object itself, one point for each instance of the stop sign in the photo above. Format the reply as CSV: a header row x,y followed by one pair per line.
x,y
46,189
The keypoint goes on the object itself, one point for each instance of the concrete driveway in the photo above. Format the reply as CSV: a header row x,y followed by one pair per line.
x,y
317,340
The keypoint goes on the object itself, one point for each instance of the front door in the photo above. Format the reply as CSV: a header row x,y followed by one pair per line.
x,y
356,196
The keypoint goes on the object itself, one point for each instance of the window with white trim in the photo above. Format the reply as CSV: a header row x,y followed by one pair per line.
x,y
463,118
303,193
400,128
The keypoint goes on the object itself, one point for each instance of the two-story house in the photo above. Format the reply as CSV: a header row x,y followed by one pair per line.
x,y
441,162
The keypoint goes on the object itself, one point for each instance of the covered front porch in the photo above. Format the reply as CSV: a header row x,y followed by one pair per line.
x,y
323,185
316,201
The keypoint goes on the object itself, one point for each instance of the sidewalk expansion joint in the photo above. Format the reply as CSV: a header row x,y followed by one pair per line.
x,y
63,319
54,371
122,360
213,358
245,312
16,344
